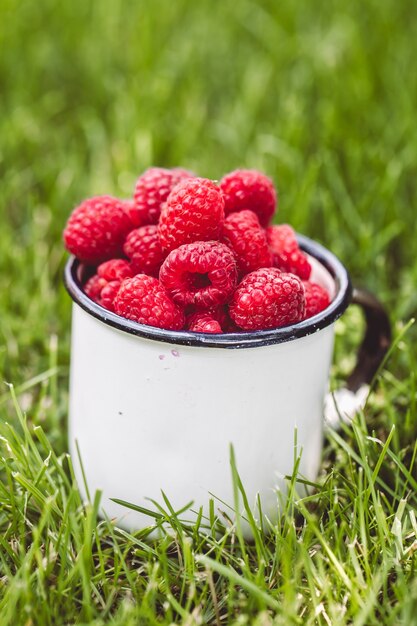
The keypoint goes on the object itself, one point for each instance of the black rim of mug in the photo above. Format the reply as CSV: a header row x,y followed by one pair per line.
x,y
253,339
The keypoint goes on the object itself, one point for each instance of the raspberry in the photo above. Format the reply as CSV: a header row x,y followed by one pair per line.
x,y
218,313
286,253
143,299
243,233
268,298
203,323
103,286
152,189
130,209
97,228
102,291
249,189
144,250
221,315
317,299
202,273
116,269
194,211
94,286
109,293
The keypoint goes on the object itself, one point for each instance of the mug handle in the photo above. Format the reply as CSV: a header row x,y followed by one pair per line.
x,y
344,403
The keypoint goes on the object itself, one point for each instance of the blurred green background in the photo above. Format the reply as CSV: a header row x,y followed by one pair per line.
x,y
320,96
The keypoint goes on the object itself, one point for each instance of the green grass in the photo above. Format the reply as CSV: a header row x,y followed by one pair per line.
x,y
322,97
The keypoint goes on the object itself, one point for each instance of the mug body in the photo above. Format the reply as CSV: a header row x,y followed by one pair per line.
x,y
154,410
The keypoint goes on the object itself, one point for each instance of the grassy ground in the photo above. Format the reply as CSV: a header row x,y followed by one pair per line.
x,y
320,96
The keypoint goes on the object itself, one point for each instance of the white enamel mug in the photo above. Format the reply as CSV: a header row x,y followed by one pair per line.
x,y
154,410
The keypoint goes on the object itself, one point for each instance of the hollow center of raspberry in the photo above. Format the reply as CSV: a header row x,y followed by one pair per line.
x,y
198,281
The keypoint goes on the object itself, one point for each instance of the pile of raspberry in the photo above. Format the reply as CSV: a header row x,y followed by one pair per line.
x,y
188,253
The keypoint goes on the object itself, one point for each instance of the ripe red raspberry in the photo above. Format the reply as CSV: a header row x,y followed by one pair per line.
x,y
244,235
203,323
94,286
249,189
109,293
97,228
218,313
101,291
103,286
143,299
286,253
317,299
268,298
202,273
152,189
144,250
194,211
221,315
115,269
129,207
